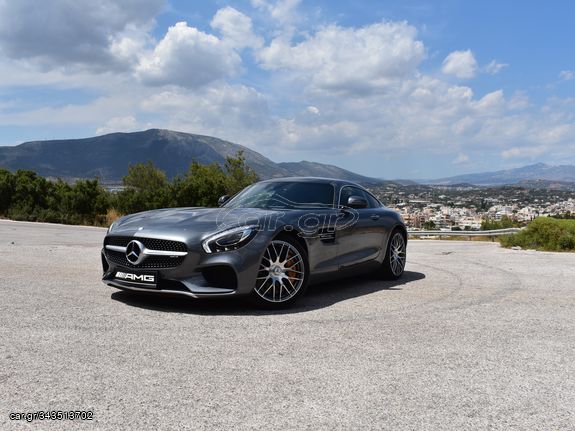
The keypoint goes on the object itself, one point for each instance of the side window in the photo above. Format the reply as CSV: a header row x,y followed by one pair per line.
x,y
344,194
372,201
348,191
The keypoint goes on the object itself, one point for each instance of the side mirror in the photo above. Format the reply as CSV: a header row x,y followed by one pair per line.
x,y
223,199
356,202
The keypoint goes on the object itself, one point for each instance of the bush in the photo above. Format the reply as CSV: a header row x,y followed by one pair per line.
x,y
6,190
544,233
146,189
26,196
202,186
239,175
504,223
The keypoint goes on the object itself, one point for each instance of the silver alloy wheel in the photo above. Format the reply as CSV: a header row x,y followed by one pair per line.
x,y
281,272
397,256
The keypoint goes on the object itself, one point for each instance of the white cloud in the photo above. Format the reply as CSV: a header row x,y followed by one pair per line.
x,y
97,111
417,115
490,103
461,64
567,75
233,112
72,34
330,137
312,110
118,124
128,45
520,100
555,134
461,159
236,28
283,12
523,152
346,59
493,68
328,92
188,57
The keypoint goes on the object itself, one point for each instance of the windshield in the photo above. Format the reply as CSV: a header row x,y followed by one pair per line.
x,y
284,195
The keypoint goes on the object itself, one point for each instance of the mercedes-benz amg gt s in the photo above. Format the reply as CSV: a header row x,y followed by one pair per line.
x,y
268,242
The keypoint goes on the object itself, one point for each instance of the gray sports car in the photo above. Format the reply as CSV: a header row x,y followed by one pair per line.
x,y
267,242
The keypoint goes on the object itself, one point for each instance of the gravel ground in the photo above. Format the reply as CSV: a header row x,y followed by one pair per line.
x,y
473,337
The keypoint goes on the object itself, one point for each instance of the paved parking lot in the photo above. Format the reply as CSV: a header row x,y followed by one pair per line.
x,y
473,337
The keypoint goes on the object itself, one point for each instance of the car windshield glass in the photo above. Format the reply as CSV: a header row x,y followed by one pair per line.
x,y
284,195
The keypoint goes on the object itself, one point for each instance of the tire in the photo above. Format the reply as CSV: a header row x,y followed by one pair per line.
x,y
393,265
283,275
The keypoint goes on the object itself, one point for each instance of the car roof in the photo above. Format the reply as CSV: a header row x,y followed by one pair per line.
x,y
333,181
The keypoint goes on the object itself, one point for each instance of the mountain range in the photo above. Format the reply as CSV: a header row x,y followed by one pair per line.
x,y
108,156
529,176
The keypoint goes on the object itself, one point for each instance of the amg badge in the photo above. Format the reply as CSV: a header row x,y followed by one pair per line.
x,y
142,278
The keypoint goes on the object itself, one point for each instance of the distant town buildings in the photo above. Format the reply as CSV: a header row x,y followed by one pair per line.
x,y
466,208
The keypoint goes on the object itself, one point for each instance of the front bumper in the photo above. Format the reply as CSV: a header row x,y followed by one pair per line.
x,y
197,275
194,287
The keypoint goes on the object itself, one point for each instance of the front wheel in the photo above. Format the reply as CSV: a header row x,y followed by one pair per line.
x,y
283,274
394,263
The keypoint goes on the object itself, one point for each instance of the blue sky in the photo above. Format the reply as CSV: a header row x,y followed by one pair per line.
x,y
392,89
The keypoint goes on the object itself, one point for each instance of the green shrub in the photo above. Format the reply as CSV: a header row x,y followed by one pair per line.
x,y
544,233
6,190
26,196
504,223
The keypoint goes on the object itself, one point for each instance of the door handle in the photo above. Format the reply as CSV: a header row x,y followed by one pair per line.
x,y
375,217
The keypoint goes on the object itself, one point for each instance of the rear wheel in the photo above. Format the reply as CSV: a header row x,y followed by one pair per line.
x,y
283,274
394,263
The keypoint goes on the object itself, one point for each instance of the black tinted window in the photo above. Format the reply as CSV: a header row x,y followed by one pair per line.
x,y
348,191
372,201
288,194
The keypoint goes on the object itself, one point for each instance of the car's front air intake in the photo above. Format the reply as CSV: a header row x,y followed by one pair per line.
x,y
148,253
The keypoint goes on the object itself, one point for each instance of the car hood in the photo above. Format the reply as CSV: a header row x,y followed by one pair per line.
x,y
192,222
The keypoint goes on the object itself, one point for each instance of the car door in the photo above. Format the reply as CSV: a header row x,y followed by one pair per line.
x,y
362,241
316,223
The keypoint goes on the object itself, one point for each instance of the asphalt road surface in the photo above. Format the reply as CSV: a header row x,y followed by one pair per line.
x,y
474,337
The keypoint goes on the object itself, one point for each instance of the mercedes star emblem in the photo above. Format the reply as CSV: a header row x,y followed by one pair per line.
x,y
134,252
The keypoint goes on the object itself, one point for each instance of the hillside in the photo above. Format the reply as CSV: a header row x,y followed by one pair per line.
x,y
305,168
109,156
525,175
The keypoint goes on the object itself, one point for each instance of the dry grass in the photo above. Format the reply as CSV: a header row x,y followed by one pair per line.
x,y
107,219
112,216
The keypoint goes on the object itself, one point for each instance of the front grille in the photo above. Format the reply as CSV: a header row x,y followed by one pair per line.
x,y
150,262
150,243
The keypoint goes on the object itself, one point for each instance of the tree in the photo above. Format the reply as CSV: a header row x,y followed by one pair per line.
x,y
29,197
504,223
88,200
429,225
239,175
202,186
145,177
6,190
59,203
147,188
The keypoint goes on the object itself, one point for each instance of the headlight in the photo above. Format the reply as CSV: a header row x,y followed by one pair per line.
x,y
231,239
111,228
